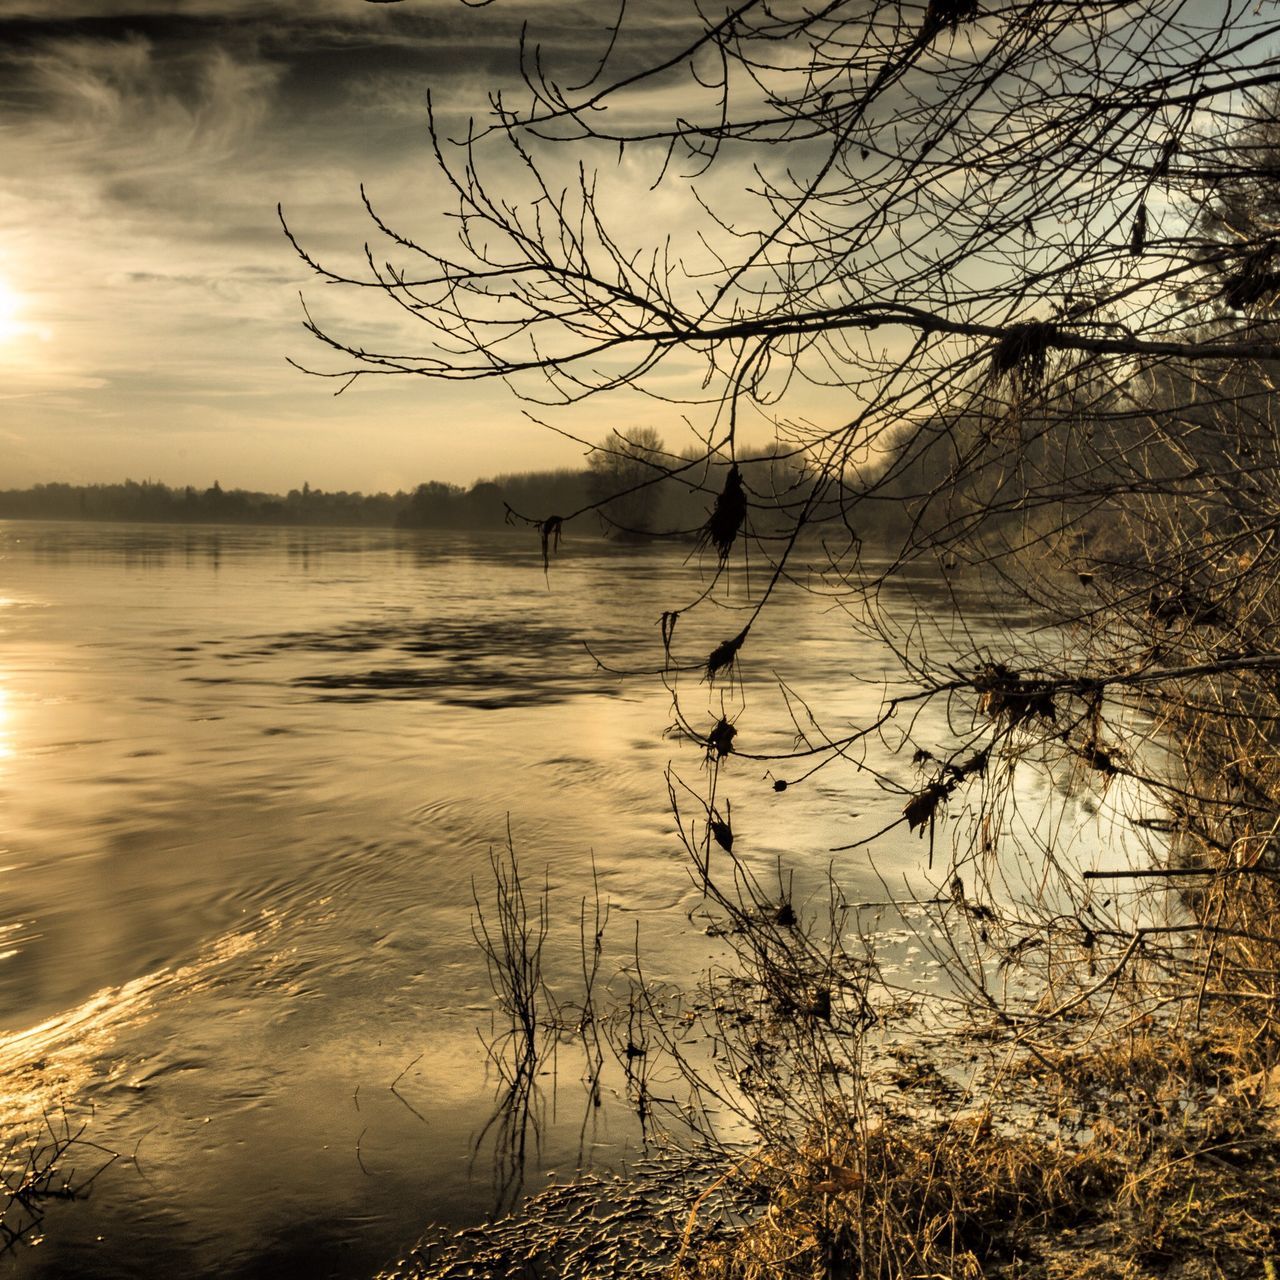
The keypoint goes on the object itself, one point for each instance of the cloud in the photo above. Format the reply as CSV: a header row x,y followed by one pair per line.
x,y
65,11
146,145
118,108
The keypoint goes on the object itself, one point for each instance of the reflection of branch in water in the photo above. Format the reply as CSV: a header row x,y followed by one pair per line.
x,y
137,1146
32,1173
511,939
512,947
515,1127
633,1049
588,1028
403,1099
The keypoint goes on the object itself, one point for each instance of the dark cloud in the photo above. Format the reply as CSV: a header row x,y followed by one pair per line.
x,y
342,40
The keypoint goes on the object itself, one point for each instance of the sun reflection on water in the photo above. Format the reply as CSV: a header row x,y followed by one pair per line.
x,y
6,721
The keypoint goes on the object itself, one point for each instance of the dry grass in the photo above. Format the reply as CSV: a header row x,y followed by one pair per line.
x,y
906,1199
1145,1190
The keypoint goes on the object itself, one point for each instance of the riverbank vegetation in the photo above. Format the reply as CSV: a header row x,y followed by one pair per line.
x,y
1015,267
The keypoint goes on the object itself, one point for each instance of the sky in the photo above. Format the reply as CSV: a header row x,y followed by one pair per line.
x,y
148,298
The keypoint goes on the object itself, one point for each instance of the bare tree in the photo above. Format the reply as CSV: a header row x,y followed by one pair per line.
x,y
1024,258
625,472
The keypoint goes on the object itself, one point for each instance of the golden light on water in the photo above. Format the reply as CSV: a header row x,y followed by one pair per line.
x,y
6,745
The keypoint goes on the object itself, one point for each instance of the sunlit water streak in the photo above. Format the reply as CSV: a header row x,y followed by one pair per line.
x,y
249,777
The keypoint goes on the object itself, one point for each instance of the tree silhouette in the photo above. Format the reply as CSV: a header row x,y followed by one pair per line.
x,y
624,475
1023,258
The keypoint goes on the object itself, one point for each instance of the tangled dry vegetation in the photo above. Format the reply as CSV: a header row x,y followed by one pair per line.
x,y
1146,1192
1092,1092
1112,1109
1116,1145
1031,251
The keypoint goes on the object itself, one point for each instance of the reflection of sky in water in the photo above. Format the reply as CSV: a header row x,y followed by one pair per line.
x,y
6,711
6,725
253,776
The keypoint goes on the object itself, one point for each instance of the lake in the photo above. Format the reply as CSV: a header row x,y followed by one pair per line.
x,y
251,779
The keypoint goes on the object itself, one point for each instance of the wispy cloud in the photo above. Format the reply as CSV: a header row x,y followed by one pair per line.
x,y
145,145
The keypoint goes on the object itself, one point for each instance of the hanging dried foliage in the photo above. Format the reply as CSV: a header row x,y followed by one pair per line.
x,y
549,531
819,1005
947,13
1005,695
725,520
1187,605
720,740
1251,289
976,763
1257,283
922,808
1020,357
1100,758
723,656
669,619
1138,236
722,832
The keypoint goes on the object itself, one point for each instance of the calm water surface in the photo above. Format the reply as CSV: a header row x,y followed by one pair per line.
x,y
248,778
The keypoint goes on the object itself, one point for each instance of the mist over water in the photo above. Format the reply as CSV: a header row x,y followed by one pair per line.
x,y
250,781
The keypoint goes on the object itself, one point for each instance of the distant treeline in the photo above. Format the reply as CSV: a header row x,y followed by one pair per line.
x,y
891,493
667,505
430,505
